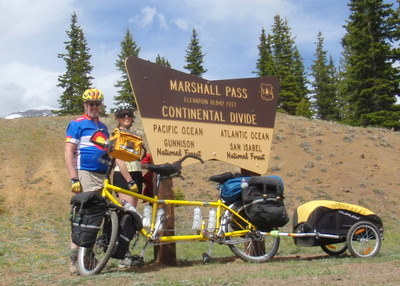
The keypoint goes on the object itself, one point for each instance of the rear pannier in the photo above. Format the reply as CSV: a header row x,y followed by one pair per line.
x,y
263,202
87,213
231,190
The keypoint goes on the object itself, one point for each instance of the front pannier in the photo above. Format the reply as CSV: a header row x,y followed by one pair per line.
x,y
263,202
129,223
87,213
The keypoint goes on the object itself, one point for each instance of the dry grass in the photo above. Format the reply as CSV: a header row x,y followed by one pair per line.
x,y
317,160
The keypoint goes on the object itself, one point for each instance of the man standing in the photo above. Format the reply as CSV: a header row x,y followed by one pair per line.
x,y
83,160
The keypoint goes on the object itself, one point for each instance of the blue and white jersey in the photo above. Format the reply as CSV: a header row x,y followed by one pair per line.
x,y
79,132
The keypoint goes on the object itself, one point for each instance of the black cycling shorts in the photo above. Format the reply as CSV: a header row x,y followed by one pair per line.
x,y
119,180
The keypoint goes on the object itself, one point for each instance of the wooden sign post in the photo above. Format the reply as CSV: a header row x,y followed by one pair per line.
x,y
166,253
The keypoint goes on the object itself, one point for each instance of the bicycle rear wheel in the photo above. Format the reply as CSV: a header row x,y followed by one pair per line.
x,y
91,260
252,247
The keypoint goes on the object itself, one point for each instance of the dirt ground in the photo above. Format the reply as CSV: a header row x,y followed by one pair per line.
x,y
316,159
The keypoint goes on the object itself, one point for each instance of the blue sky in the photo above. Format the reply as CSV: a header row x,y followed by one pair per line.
x,y
33,33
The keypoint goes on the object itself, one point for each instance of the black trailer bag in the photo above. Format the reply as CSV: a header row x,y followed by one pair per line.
x,y
332,217
129,223
87,213
263,202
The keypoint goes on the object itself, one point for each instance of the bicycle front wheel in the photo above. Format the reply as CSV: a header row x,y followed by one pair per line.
x,y
253,246
91,260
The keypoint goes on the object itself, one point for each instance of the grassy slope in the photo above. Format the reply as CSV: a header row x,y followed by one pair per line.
x,y
316,160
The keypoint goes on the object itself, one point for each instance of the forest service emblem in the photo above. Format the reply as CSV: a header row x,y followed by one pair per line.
x,y
266,91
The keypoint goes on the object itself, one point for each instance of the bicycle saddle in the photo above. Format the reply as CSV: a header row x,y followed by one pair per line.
x,y
222,178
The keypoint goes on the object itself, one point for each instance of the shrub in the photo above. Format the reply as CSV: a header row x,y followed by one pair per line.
x,y
386,119
178,194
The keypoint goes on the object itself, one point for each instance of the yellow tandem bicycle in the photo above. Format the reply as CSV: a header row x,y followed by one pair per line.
x,y
231,226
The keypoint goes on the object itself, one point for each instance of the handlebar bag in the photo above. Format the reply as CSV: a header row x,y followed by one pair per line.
x,y
129,223
125,145
87,213
263,202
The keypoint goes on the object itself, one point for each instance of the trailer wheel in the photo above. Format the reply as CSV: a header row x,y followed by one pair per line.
x,y
335,249
364,239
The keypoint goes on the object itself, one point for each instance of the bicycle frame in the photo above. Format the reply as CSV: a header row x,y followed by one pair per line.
x,y
155,201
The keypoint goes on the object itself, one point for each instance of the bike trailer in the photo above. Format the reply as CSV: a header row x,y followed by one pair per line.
x,y
329,217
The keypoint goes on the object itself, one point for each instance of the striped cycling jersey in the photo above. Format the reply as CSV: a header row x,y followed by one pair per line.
x,y
88,155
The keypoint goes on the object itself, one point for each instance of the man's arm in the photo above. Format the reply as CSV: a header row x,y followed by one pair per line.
x,y
69,156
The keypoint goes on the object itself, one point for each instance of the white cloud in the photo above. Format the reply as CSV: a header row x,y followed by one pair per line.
x,y
26,17
24,22
162,21
106,84
148,17
182,24
31,32
24,86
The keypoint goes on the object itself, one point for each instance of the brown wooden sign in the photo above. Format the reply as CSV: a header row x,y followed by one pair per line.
x,y
228,120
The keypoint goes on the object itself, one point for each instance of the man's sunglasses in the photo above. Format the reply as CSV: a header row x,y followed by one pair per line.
x,y
124,114
95,103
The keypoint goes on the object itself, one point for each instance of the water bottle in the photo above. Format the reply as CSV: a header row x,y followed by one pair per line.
x,y
244,184
211,220
159,217
146,216
128,206
197,219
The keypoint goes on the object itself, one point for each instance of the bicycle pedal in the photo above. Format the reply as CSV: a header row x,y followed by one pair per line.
x,y
205,258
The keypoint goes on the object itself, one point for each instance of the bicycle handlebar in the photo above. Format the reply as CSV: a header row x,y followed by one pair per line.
x,y
190,156
165,170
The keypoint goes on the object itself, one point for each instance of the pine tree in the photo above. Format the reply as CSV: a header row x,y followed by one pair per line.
x,y
128,49
77,77
301,84
162,61
324,83
288,66
194,57
371,78
394,35
265,63
334,89
304,108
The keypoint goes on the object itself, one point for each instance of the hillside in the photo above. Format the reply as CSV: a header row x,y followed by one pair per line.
x,y
317,160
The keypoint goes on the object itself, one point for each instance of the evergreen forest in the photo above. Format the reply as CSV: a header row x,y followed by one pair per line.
x,y
363,90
